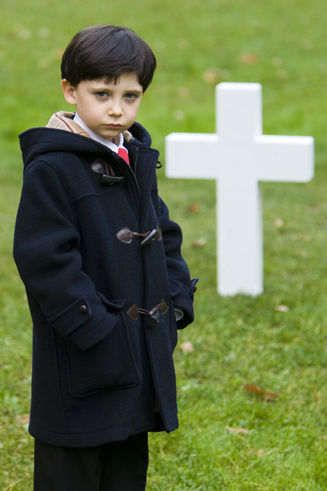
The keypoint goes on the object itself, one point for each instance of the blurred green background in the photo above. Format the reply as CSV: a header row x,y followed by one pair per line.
x,y
230,438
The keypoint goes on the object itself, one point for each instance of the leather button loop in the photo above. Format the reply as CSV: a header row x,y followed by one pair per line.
x,y
126,235
152,320
150,237
83,309
105,179
106,171
153,316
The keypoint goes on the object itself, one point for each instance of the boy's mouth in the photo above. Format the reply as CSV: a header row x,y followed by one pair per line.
x,y
114,126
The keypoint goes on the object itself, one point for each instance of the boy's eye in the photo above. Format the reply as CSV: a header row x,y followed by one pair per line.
x,y
101,94
130,96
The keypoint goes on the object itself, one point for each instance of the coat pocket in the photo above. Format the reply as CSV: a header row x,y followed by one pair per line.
x,y
109,365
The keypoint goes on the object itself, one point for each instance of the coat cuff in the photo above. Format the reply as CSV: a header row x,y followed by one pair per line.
x,y
186,306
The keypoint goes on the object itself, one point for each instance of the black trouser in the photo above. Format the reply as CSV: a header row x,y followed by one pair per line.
x,y
114,466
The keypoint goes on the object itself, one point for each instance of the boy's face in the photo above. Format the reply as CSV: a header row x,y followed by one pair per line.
x,y
106,108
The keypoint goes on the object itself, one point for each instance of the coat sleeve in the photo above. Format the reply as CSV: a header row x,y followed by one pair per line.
x,y
181,286
46,251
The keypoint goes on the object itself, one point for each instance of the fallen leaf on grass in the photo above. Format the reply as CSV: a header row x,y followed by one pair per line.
x,y
214,75
249,58
210,76
236,431
267,395
183,91
279,222
199,243
187,347
23,419
258,452
57,53
194,208
281,308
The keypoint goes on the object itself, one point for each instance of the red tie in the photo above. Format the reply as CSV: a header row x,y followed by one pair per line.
x,y
122,152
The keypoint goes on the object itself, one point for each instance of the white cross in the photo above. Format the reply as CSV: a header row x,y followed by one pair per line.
x,y
238,156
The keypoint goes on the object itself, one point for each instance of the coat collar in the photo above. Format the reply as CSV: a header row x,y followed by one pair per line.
x,y
64,120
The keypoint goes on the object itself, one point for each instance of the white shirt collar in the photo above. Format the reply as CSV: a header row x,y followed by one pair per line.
x,y
97,137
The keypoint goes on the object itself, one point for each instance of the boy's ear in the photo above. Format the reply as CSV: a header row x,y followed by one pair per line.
x,y
69,92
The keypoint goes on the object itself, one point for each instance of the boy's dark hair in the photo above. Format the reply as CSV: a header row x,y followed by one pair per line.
x,y
107,52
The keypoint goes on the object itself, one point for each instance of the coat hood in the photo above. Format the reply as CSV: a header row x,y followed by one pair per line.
x,y
62,134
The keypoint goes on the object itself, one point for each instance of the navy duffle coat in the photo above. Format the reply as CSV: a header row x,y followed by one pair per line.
x,y
100,365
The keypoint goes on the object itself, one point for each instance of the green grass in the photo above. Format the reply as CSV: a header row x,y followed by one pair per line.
x,y
238,340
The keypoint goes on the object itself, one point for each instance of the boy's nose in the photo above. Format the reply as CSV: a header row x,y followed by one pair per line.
x,y
115,110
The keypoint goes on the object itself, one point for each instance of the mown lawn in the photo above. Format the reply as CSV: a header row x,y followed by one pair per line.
x,y
229,438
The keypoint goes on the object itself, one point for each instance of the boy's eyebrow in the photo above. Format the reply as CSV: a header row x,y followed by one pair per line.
x,y
107,89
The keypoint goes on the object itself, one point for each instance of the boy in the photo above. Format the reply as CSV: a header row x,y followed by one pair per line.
x,y
106,283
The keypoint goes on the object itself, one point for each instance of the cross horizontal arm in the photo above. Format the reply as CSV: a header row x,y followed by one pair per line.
x,y
284,158
191,155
